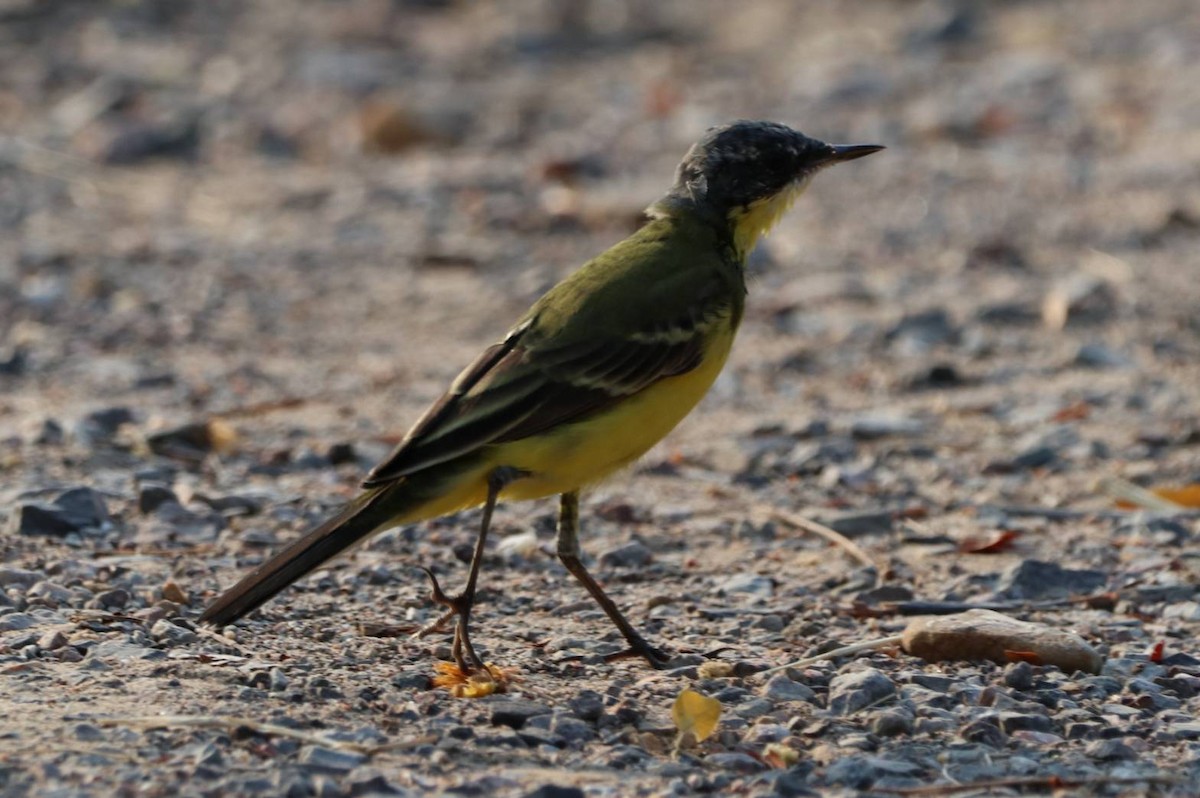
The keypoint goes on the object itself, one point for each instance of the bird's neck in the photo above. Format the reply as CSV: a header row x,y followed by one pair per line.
x,y
742,227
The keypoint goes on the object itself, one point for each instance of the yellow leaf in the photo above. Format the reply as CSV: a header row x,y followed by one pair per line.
x,y
696,713
475,685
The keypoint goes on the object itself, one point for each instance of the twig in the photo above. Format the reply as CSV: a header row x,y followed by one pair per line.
x,y
869,645
231,724
1126,491
834,537
1035,782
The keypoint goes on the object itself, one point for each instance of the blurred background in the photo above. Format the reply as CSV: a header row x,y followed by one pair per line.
x,y
207,205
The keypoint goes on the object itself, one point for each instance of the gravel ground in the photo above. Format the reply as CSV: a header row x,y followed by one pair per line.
x,y
246,243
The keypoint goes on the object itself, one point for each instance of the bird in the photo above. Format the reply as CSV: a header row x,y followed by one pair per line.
x,y
599,369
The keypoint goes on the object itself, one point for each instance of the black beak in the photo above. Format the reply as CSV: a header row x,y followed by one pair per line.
x,y
849,152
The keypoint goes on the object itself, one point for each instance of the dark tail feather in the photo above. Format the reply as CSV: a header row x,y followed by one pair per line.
x,y
357,520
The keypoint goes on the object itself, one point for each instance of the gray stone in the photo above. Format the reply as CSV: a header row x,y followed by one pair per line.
x,y
740,763
555,791
892,723
587,705
167,632
330,760
781,688
633,554
1035,579
16,621
1110,751
850,692
514,713
18,577
747,583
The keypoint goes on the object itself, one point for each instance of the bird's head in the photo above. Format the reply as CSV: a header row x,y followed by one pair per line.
x,y
748,174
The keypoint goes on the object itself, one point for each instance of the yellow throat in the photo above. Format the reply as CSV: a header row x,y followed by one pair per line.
x,y
751,222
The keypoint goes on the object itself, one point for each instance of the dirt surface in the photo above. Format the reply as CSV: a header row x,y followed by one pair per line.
x,y
294,223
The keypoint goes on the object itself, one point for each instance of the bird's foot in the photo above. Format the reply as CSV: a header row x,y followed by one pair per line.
x,y
462,650
640,648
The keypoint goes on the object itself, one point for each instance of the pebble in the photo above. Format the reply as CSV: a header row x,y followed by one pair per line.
x,y
588,705
782,688
737,762
1019,676
850,692
151,496
1035,579
752,584
1110,750
555,791
892,723
330,760
514,713
18,577
100,426
633,554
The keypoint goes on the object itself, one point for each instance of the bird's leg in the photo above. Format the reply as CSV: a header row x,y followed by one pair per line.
x,y
462,650
568,552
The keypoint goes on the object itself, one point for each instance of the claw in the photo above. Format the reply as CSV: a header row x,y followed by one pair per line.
x,y
656,658
435,590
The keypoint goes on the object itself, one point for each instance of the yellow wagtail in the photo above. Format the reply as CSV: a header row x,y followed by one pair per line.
x,y
598,371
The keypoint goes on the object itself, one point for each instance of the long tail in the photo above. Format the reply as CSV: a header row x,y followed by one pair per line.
x,y
358,519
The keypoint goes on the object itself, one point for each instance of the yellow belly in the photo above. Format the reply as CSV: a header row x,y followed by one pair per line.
x,y
583,453
588,451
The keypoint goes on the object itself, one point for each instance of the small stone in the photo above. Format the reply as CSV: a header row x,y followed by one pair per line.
x,y
1019,676
587,705
16,621
412,680
100,426
151,496
113,599
892,723
1016,721
515,712
87,732
52,640
572,730
1189,730
633,554
739,763
850,692
18,577
168,632
747,583
781,688
871,428
50,593
330,760
172,592
555,791
985,730
1035,579
1113,750
278,681
1099,356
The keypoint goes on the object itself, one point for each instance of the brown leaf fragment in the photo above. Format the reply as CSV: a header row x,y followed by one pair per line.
x,y
999,541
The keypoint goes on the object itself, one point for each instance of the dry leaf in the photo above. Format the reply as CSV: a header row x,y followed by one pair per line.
x,y
780,756
696,714
475,685
715,670
991,544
